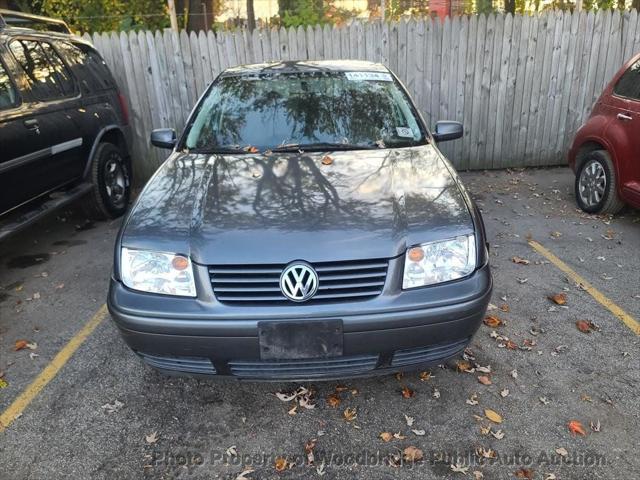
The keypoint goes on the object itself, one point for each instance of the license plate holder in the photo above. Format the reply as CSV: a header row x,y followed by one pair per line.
x,y
294,340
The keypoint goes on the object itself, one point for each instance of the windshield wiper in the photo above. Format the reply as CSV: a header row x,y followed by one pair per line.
x,y
321,147
220,150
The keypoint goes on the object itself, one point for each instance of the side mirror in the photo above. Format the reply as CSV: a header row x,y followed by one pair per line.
x,y
164,138
447,130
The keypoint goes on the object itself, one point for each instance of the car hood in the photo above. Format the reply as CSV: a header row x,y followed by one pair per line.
x,y
256,209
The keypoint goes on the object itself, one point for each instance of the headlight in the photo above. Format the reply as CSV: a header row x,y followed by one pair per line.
x,y
157,272
438,262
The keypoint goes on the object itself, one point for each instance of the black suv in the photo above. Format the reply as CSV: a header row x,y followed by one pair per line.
x,y
63,131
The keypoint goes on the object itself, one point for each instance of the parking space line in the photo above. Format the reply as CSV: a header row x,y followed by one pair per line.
x,y
14,410
602,299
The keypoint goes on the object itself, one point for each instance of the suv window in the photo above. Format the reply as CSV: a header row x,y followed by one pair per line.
x,y
46,74
8,97
629,84
87,66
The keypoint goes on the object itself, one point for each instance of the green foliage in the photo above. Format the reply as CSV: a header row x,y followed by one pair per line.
x,y
304,12
105,15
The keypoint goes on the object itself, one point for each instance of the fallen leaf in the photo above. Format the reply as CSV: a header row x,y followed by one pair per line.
x,y
3,383
243,475
562,451
407,392
492,415
152,437
595,426
504,307
20,344
350,414
409,420
420,433
281,464
492,321
482,369
341,388
559,298
232,451
308,450
585,326
424,376
333,400
412,454
305,401
459,468
483,379
520,261
320,469
498,434
251,149
386,436
293,410
504,393
511,345
327,160
576,428
399,436
525,473
478,475
473,399
486,452
285,397
464,366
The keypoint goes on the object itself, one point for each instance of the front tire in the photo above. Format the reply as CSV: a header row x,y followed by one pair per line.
x,y
596,185
112,186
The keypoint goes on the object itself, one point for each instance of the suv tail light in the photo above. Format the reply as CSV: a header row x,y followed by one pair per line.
x,y
124,108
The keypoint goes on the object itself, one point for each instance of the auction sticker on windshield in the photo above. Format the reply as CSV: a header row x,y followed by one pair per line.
x,y
361,76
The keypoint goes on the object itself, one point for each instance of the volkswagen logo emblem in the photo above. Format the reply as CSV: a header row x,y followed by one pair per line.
x,y
299,282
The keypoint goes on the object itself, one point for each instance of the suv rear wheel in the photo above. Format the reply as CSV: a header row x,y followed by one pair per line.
x,y
110,178
596,184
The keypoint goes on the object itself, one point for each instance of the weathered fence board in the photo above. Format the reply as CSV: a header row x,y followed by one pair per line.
x,y
521,85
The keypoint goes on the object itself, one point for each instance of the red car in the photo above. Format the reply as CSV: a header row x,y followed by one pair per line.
x,y
605,154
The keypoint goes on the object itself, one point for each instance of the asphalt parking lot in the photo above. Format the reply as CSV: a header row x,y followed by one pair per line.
x,y
103,414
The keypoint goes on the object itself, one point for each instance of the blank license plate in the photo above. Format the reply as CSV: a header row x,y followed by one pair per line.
x,y
297,340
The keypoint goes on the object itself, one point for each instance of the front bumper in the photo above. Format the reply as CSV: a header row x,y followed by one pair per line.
x,y
405,330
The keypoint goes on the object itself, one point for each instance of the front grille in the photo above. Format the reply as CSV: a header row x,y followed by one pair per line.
x,y
337,282
180,364
432,353
307,369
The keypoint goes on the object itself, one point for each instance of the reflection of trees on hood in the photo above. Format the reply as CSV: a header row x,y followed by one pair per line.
x,y
314,105
378,191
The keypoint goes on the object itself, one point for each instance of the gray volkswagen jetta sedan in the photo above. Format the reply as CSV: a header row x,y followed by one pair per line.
x,y
305,226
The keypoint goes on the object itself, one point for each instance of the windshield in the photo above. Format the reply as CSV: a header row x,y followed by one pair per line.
x,y
319,110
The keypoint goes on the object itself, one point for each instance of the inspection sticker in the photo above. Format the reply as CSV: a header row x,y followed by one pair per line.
x,y
404,132
362,76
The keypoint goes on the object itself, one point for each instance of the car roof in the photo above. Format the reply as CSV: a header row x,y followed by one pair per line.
x,y
8,33
284,67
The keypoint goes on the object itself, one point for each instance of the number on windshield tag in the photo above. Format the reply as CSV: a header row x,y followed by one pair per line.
x,y
363,76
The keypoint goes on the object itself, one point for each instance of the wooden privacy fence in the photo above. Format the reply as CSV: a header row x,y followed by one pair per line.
x,y
521,85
